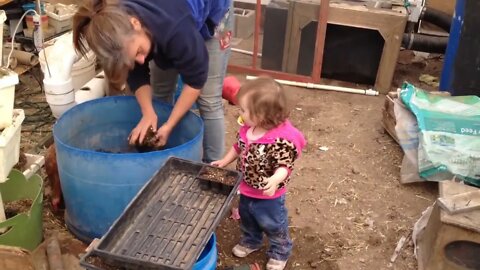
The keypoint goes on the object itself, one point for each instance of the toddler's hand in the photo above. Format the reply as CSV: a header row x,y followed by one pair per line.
x,y
271,186
219,163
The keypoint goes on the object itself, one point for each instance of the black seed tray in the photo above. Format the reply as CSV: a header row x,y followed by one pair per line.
x,y
169,222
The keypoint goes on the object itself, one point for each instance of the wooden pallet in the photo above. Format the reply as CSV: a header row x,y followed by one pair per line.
x,y
450,240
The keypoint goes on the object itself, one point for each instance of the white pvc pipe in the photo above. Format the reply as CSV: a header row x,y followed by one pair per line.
x,y
2,214
368,92
245,52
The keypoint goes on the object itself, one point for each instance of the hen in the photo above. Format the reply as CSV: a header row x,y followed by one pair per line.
x,y
52,172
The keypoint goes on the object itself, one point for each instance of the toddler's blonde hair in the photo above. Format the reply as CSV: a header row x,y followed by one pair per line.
x,y
266,101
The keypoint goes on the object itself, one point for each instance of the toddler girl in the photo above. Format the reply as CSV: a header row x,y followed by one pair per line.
x,y
266,149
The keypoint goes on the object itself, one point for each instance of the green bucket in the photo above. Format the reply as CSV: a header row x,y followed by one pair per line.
x,y
25,229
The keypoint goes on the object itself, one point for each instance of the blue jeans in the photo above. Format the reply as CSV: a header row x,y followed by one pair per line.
x,y
210,101
265,216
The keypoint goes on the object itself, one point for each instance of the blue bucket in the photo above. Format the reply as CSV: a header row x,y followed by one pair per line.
x,y
97,184
208,258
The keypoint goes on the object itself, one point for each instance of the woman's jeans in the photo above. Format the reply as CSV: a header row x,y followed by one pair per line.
x,y
210,101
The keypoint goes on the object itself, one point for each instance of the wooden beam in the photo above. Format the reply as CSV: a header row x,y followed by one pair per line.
x,y
461,203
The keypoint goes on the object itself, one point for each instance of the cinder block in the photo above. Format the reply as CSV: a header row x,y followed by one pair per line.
x,y
244,22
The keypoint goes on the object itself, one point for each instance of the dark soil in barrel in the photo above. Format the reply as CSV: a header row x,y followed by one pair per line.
x,y
149,143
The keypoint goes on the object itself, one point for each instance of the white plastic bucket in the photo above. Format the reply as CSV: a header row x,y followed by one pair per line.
x,y
81,63
60,95
60,103
81,76
60,99
85,62
58,110
57,87
81,71
8,80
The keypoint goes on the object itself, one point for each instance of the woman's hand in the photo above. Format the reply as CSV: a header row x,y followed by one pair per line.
x,y
162,135
149,116
138,133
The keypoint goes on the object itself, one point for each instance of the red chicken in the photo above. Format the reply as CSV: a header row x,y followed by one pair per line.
x,y
52,172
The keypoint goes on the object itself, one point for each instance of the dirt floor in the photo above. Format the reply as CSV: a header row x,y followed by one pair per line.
x,y
346,205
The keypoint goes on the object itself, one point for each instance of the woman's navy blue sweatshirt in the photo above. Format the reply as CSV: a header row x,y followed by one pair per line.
x,y
178,30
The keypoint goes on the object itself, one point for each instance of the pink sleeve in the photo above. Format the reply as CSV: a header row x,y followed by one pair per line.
x,y
237,148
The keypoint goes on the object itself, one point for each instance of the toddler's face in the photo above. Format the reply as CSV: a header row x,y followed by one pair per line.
x,y
248,119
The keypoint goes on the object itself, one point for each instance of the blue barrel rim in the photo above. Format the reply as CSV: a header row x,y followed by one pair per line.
x,y
106,99
206,256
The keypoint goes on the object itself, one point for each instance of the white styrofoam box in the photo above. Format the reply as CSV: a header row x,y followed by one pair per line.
x,y
10,144
61,16
8,80
34,163
61,11
60,26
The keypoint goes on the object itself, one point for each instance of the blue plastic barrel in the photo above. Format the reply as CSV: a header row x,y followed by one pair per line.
x,y
97,184
448,72
208,258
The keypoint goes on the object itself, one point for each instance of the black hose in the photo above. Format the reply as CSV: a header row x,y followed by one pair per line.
x,y
424,43
437,18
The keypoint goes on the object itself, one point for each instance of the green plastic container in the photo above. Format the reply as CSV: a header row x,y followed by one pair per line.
x,y
25,228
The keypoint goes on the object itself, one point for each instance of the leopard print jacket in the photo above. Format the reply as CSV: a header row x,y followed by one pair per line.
x,y
259,161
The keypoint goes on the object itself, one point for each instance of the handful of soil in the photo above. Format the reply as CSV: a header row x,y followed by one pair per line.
x,y
149,143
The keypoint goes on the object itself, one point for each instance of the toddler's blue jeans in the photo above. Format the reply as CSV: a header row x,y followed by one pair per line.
x,y
260,216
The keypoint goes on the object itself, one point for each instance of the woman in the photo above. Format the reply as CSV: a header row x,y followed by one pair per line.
x,y
147,43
